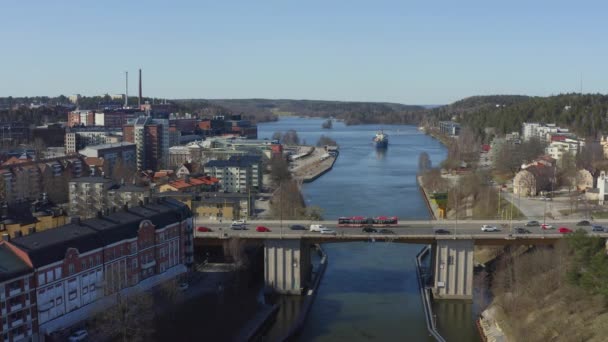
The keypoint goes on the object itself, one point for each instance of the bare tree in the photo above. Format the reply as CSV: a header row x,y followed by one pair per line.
x,y
130,319
424,162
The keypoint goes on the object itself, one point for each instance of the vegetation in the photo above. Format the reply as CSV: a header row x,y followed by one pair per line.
x,y
328,124
509,157
288,138
561,291
326,141
424,163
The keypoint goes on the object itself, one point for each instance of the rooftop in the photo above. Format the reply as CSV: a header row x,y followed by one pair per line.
x,y
229,163
106,146
12,264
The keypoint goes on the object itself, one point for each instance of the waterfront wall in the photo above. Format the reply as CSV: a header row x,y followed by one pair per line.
x,y
428,203
425,296
297,326
323,171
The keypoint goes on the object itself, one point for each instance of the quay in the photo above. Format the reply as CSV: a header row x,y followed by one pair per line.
x,y
315,163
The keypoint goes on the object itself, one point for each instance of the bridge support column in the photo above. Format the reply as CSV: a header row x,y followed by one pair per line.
x,y
287,265
453,269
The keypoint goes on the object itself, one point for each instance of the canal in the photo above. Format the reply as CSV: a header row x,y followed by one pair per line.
x,y
370,291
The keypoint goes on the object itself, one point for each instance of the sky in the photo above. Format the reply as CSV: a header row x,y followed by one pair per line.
x,y
412,52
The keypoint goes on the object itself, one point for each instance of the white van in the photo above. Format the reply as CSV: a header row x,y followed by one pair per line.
x,y
317,227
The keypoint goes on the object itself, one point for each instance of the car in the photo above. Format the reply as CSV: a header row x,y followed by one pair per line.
x,y
241,222
386,231
316,227
442,231
565,230
79,335
237,226
597,228
262,229
203,229
546,226
583,223
532,224
325,230
183,286
297,227
521,230
488,228
370,230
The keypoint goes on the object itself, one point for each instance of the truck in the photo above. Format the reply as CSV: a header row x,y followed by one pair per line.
x,y
317,227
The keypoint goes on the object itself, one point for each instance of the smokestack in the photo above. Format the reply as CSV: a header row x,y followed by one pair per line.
x,y
139,102
126,89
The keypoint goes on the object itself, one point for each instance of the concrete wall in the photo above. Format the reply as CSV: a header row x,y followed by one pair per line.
x,y
286,265
453,269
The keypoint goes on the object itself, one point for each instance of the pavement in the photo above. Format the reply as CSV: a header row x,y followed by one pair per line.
x,y
535,208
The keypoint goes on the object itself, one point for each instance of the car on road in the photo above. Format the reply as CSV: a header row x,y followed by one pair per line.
x,y
583,223
546,226
316,227
79,335
262,229
442,231
597,228
488,228
325,230
297,227
521,230
386,231
532,224
237,226
565,230
370,230
183,286
243,222
203,229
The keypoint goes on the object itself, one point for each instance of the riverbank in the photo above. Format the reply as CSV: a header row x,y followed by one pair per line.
x,y
314,164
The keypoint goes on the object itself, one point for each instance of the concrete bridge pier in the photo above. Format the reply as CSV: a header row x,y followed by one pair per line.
x,y
453,269
287,267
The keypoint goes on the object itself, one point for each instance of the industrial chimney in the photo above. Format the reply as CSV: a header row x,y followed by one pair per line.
x,y
126,89
139,102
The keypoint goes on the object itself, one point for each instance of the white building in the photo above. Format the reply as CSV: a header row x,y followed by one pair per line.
x,y
558,148
541,131
602,185
234,175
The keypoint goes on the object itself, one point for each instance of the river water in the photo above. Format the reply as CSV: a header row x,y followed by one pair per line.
x,y
370,291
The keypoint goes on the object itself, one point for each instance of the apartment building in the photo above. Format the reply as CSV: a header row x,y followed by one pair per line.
x,y
151,137
234,175
125,151
450,128
83,117
78,138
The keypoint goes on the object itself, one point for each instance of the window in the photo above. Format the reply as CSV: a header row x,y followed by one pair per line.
x,y
83,264
58,300
134,263
91,262
58,273
71,269
98,259
41,279
49,276
85,290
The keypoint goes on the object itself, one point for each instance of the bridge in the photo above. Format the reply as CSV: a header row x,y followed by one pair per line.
x,y
287,266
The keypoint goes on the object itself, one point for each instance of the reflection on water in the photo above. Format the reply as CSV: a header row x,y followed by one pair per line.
x,y
381,153
455,318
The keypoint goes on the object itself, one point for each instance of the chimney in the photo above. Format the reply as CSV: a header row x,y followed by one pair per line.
x,y
126,89
139,100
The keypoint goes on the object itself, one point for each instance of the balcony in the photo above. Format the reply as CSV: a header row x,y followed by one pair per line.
x,y
16,322
16,307
148,264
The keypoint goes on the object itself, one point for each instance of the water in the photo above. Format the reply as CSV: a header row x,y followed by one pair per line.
x,y
370,291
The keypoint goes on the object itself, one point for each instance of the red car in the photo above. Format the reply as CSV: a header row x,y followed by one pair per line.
x,y
262,229
203,229
565,230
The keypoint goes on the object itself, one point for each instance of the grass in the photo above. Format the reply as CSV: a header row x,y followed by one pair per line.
x,y
600,214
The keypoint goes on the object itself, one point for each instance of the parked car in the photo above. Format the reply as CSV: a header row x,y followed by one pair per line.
x,y
203,229
546,226
239,222
325,230
565,230
532,224
316,227
521,230
583,223
597,228
79,335
386,231
297,227
370,230
488,228
183,286
262,229
442,231
238,226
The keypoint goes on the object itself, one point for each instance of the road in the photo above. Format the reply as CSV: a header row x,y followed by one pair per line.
x,y
413,229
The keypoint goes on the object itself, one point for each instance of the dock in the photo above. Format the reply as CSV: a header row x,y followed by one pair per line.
x,y
315,164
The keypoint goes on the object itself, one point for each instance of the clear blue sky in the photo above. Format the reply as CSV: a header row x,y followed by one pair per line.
x,y
414,52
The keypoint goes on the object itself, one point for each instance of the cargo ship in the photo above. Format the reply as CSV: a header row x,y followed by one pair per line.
x,y
381,140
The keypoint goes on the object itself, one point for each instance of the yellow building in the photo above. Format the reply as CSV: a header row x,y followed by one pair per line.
x,y
212,208
41,222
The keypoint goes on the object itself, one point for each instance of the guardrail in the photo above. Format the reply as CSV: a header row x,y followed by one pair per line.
x,y
426,298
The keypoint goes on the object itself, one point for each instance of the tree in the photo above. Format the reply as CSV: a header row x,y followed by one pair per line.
x,y
122,172
3,197
277,136
326,141
279,170
567,170
328,124
424,162
290,138
130,319
314,213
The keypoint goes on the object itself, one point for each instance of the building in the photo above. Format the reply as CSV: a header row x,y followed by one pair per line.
x,y
215,205
541,131
17,295
255,163
583,180
604,144
450,128
602,186
234,175
78,138
532,180
192,184
111,153
24,218
89,195
77,265
558,148
83,117
49,135
151,137
116,118
14,132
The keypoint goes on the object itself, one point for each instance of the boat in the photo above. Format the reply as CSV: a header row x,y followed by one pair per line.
x,y
381,140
